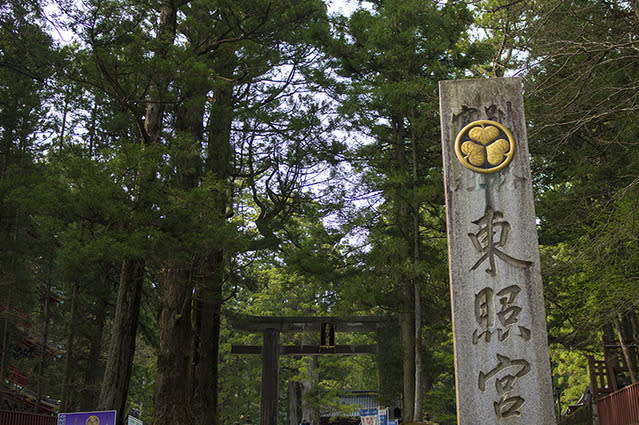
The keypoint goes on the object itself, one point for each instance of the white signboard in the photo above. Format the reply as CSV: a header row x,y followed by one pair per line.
x,y
369,416
133,421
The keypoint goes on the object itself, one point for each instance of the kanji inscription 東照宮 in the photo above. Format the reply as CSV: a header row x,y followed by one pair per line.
x,y
501,351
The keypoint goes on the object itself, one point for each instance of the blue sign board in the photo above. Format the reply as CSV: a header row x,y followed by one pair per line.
x,y
383,417
87,418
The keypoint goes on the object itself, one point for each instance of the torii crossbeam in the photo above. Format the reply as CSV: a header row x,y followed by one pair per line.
x,y
272,326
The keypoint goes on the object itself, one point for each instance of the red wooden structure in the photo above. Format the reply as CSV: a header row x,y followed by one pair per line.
x,y
16,396
620,407
617,400
9,417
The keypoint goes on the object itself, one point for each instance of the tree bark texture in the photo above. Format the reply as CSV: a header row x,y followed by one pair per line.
x,y
389,365
212,265
115,384
205,377
405,238
5,343
43,357
294,403
407,330
67,392
419,399
634,323
310,411
610,357
172,395
90,395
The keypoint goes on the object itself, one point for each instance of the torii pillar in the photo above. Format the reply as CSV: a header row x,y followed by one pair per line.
x,y
270,377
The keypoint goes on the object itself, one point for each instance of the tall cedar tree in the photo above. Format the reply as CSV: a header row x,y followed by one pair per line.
x,y
202,80
582,102
395,54
27,63
581,78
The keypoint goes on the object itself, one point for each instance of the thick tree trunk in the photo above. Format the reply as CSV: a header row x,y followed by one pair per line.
x,y
418,409
407,331
294,403
419,399
43,357
3,353
389,365
172,396
610,357
405,239
90,395
67,390
212,266
632,316
310,411
115,384
200,375
5,340
205,378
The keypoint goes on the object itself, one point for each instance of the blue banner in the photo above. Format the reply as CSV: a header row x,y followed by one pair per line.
x,y
87,418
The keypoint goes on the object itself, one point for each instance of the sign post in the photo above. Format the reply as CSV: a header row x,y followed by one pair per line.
x,y
369,416
501,351
133,421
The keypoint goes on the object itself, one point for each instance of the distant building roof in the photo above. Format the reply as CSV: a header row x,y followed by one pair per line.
x,y
353,401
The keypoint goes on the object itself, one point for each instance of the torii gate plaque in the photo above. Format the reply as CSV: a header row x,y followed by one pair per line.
x,y
501,350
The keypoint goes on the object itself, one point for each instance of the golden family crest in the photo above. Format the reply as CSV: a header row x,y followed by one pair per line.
x,y
485,146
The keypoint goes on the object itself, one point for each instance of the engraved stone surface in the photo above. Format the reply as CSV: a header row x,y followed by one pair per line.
x,y
501,350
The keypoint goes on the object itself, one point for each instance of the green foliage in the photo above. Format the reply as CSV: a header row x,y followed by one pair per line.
x,y
570,374
581,100
440,400
583,156
394,55
142,380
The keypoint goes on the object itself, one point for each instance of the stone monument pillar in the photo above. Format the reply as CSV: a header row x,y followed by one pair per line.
x,y
501,350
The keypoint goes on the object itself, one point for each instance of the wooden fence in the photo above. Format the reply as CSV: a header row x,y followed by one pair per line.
x,y
9,417
620,407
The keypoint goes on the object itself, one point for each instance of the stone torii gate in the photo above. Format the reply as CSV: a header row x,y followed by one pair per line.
x,y
272,326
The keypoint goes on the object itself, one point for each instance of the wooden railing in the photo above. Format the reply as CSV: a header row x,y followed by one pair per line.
x,y
620,407
9,417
